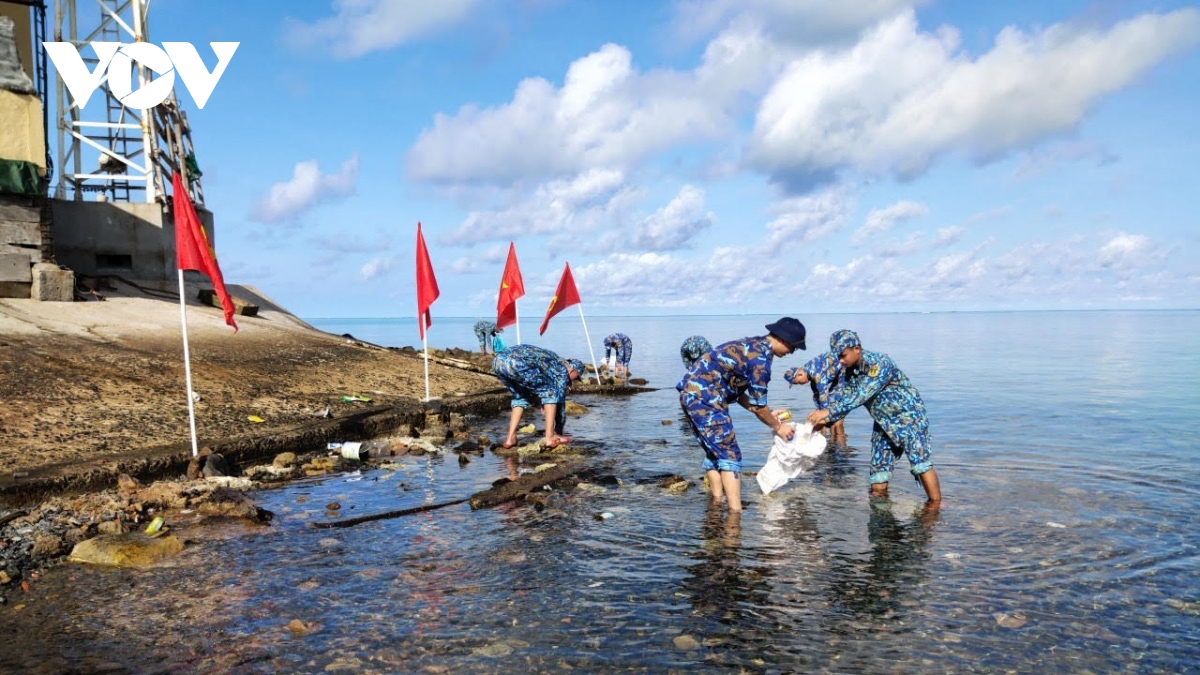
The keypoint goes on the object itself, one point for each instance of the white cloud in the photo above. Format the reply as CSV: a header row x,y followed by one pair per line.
x,y
901,247
606,115
473,263
363,26
375,267
584,203
1126,253
1088,269
899,98
670,228
880,221
803,220
947,236
802,21
307,188
664,280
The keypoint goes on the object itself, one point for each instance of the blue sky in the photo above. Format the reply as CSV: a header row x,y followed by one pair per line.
x,y
704,156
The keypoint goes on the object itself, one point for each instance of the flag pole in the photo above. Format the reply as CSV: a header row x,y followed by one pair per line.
x,y
425,341
187,364
589,342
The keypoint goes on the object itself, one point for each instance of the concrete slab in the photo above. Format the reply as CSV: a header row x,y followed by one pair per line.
x,y
51,284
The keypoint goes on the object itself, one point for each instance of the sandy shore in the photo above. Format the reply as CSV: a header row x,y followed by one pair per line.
x,y
92,389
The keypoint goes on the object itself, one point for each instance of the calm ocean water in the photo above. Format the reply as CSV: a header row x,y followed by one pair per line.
x,y
1067,541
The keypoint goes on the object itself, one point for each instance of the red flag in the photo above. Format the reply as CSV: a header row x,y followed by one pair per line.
x,y
564,296
427,288
193,250
511,288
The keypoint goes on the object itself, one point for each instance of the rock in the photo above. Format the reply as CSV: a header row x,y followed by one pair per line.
x,y
438,433
537,447
4,578
225,502
574,408
667,423
686,643
112,527
298,627
48,546
215,465
127,485
457,423
165,495
463,459
640,381
132,549
284,460
195,468
680,487
469,445
236,483
527,429
493,650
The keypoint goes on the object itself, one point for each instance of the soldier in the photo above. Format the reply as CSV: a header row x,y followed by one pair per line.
x,y
734,371
486,331
533,373
622,346
824,375
901,424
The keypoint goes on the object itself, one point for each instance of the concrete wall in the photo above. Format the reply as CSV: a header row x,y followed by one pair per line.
x,y
131,240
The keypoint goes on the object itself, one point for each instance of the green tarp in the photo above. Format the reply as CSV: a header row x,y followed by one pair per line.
x,y
20,178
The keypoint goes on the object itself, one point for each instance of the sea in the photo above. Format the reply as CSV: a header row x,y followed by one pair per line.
x,y
1067,444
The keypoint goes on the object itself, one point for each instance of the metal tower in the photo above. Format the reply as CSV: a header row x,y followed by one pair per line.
x,y
118,153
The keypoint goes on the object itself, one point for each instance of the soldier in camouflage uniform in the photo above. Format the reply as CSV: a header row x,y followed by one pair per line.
x,y
901,425
535,374
734,371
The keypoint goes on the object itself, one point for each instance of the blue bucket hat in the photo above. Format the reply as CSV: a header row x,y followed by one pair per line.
x,y
789,330
576,364
841,340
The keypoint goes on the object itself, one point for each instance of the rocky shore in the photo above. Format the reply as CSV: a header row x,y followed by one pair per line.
x,y
93,411
94,435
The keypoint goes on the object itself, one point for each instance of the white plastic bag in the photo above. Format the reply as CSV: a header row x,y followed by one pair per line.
x,y
789,459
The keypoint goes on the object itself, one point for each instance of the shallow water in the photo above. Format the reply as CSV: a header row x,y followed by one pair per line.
x,y
1066,542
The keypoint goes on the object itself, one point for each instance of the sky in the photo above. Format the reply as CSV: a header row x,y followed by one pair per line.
x,y
703,156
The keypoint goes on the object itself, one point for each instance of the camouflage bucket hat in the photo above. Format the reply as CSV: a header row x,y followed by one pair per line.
x,y
842,340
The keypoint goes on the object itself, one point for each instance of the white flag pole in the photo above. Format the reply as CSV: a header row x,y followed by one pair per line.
x,y
517,313
425,341
589,343
187,365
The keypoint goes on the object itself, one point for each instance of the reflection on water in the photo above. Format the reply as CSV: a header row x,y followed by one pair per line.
x,y
1060,547
897,563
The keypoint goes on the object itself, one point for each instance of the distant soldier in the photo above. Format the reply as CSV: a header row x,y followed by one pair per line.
x,y
824,374
620,345
486,331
